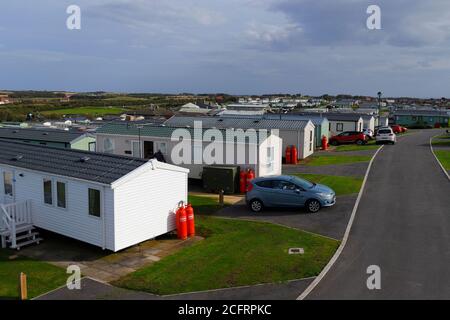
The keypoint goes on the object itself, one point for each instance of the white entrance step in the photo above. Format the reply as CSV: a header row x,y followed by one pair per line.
x,y
25,243
19,229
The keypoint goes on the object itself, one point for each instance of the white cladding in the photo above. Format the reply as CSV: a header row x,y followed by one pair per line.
x,y
135,208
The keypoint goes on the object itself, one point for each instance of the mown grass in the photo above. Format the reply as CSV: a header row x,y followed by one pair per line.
x,y
324,160
342,185
41,276
444,158
233,253
91,111
354,147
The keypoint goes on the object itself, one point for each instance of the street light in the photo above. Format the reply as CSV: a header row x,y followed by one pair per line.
x,y
140,146
379,100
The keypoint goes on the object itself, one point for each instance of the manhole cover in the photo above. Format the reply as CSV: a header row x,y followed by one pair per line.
x,y
296,251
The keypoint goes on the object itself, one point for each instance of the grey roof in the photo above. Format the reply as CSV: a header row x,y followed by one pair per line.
x,y
339,116
49,135
238,123
435,113
315,119
102,168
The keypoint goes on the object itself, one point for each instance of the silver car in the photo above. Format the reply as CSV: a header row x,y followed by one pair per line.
x,y
288,191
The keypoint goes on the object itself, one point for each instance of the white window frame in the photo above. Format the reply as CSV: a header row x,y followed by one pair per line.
x,y
340,124
112,145
52,192
66,194
11,195
133,142
160,148
100,201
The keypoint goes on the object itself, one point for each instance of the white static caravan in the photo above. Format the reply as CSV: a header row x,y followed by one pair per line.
x,y
141,140
293,132
344,121
109,201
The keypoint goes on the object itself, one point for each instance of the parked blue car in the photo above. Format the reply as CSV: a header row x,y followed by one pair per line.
x,y
288,191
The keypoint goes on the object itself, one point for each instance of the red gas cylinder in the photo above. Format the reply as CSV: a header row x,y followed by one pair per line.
x,y
250,177
182,223
324,143
294,155
242,181
288,155
190,220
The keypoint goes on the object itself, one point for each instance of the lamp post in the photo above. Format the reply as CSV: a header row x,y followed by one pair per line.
x,y
379,101
140,146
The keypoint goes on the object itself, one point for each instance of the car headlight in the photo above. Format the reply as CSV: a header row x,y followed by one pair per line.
x,y
325,195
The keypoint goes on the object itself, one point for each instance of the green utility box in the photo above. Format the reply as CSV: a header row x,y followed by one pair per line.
x,y
216,178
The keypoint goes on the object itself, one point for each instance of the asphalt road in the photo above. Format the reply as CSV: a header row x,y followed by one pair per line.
x,y
402,225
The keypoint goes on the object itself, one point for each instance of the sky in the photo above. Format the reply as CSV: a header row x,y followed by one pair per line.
x,y
234,46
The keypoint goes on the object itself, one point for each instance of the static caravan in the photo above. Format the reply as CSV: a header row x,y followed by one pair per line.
x,y
50,137
300,133
109,201
191,148
340,122
319,121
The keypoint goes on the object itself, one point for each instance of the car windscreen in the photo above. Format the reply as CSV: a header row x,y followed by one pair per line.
x,y
305,184
385,131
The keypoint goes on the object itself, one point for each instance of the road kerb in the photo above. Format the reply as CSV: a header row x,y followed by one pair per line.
x,y
338,252
437,159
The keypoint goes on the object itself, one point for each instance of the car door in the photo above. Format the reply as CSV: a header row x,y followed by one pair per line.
x,y
286,194
344,137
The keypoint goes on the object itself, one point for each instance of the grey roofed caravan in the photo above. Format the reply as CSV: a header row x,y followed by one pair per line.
x,y
90,166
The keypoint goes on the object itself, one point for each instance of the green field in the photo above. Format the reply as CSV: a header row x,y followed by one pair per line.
x,y
444,158
41,276
85,111
233,253
354,147
324,160
340,184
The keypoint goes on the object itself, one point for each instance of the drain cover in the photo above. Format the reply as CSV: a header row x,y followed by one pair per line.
x,y
296,251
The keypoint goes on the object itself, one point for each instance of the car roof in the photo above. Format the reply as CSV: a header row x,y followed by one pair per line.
x,y
280,177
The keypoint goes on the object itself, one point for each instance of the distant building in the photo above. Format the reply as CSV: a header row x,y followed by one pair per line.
x,y
5,99
254,107
421,118
50,137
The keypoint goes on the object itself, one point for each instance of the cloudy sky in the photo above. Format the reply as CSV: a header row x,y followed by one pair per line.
x,y
235,46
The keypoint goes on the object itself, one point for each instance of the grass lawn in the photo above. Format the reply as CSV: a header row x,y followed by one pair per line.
x,y
234,253
441,142
42,277
354,147
444,158
323,160
340,184
92,111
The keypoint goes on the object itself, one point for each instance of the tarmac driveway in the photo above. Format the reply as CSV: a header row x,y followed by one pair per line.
x,y
329,222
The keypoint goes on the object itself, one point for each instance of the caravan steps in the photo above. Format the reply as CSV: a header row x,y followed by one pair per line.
x,y
19,229
26,243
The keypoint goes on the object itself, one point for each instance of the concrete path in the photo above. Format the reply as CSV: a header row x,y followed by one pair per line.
x,y
402,226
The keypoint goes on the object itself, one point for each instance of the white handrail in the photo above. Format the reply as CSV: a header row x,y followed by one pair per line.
x,y
13,214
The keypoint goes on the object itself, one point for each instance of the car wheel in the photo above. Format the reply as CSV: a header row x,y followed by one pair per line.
x,y
313,206
359,142
334,143
256,205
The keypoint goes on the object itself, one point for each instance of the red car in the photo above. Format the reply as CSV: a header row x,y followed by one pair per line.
x,y
398,128
349,137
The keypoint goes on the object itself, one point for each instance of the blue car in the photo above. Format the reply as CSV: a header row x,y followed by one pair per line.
x,y
288,191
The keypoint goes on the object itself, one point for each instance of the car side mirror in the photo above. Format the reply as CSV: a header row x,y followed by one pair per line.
x,y
298,191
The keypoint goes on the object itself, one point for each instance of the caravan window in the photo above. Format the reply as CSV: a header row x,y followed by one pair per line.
x,y
108,145
61,194
48,196
7,183
94,202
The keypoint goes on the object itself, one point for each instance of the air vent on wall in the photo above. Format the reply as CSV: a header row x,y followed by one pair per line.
x,y
85,159
17,157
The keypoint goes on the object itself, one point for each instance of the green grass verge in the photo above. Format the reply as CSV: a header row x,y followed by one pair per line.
x,y
441,142
324,160
41,276
91,111
342,185
354,147
233,253
444,158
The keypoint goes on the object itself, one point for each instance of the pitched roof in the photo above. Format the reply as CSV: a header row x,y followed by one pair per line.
x,y
165,131
49,135
97,167
339,116
436,113
238,123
